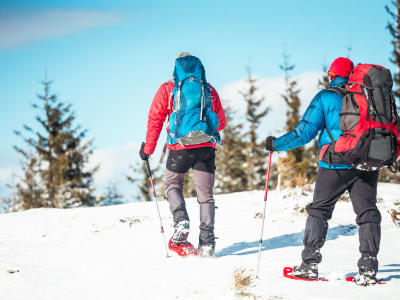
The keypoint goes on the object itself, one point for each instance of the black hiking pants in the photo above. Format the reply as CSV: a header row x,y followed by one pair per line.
x,y
202,162
330,185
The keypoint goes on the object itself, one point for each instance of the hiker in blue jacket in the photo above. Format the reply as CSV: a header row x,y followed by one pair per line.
x,y
322,115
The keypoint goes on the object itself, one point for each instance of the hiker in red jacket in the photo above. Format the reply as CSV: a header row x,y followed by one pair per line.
x,y
195,118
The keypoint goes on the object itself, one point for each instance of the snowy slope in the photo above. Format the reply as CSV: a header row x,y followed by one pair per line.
x,y
117,252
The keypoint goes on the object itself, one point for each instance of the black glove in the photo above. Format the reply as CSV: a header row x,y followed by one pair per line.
x,y
269,144
142,154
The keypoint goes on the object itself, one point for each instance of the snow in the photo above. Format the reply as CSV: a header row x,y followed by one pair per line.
x,y
117,252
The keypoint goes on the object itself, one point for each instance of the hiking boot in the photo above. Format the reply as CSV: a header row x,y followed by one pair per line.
x,y
367,269
307,271
206,250
365,278
181,232
206,242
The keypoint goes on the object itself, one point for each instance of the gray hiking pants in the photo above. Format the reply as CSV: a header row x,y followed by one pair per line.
x,y
202,162
329,186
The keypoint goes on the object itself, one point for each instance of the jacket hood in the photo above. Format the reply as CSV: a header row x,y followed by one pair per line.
x,y
339,81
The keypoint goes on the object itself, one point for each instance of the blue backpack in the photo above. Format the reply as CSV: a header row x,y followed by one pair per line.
x,y
192,121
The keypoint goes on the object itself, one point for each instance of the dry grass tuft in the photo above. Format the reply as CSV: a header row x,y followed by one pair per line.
x,y
345,197
243,281
301,209
258,215
379,199
131,221
395,217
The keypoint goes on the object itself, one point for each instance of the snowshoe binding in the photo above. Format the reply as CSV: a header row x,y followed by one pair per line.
x,y
365,278
178,242
206,250
181,232
206,242
307,272
368,267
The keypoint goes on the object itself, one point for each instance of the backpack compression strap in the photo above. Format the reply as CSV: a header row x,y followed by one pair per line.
x,y
203,100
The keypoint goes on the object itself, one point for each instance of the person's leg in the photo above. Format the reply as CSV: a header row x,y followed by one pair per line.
x,y
329,186
178,163
174,193
363,198
203,172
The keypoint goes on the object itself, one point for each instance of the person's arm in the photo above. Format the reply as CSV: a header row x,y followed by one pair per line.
x,y
157,114
218,109
313,121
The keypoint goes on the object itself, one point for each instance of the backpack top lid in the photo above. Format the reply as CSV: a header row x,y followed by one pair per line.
x,y
370,76
188,66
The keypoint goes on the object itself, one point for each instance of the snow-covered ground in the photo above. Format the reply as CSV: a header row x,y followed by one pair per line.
x,y
117,252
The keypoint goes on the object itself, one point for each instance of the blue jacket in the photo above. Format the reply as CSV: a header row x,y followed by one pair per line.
x,y
322,112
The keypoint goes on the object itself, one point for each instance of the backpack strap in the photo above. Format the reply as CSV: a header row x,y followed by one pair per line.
x,y
169,100
329,133
341,91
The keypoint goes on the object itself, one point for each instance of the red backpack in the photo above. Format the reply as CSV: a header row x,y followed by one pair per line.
x,y
369,121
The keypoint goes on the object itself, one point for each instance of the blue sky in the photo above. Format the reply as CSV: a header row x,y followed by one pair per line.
x,y
109,57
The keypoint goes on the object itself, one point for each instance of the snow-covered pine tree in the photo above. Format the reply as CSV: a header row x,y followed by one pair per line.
x,y
254,150
230,174
56,172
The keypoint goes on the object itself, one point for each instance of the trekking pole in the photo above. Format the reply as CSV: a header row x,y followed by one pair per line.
x,y
265,205
155,197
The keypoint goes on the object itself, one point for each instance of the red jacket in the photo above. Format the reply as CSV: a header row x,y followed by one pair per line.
x,y
159,111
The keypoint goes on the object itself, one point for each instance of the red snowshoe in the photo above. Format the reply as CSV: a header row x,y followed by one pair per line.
x,y
287,272
182,249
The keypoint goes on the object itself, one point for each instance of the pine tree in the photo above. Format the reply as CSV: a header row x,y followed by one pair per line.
x,y
323,83
31,189
111,196
189,186
297,168
230,174
394,28
255,151
140,179
292,99
55,167
349,49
